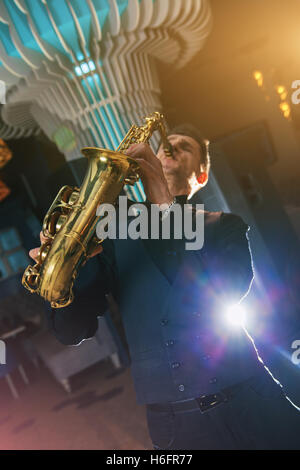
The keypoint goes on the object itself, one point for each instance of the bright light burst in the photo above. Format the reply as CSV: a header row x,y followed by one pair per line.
x,y
236,315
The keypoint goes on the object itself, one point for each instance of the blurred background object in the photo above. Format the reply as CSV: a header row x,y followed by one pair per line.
x,y
5,154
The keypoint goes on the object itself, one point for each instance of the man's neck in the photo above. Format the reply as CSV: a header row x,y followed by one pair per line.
x,y
177,187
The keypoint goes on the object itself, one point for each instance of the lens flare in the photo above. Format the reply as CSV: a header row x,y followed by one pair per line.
x,y
236,315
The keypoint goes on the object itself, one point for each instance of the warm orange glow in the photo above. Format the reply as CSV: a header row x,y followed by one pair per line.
x,y
286,109
258,76
280,89
284,106
4,191
5,153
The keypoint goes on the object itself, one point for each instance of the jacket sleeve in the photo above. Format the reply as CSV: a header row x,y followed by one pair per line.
x,y
96,279
229,260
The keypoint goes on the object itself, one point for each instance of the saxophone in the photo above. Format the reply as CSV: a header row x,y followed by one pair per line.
x,y
70,223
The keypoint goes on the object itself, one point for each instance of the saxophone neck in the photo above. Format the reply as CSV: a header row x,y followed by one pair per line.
x,y
142,134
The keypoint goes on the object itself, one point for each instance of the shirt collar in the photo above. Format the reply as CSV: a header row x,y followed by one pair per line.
x,y
182,199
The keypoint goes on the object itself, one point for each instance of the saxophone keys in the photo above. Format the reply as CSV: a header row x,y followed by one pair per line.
x,y
72,198
60,222
30,278
63,302
44,250
54,223
66,198
131,180
64,194
132,176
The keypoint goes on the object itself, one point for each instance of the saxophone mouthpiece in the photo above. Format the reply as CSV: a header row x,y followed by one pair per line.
x,y
169,150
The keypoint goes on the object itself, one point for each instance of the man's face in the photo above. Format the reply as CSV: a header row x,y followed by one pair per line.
x,y
186,159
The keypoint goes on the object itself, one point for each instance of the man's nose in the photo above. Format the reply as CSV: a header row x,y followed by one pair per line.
x,y
176,148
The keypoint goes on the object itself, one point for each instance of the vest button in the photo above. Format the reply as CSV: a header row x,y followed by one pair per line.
x,y
181,388
169,343
207,357
171,253
214,380
175,365
164,322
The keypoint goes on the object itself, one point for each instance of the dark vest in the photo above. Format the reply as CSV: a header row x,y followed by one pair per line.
x,y
179,347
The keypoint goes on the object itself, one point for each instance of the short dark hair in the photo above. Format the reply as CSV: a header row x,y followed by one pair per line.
x,y
192,131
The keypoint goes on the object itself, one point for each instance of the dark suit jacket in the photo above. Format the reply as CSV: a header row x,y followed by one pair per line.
x,y
173,305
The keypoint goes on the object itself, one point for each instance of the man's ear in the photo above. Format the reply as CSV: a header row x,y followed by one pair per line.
x,y
202,177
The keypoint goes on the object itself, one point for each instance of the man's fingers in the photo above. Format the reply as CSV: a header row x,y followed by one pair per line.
x,y
131,148
96,251
34,253
143,151
146,168
43,238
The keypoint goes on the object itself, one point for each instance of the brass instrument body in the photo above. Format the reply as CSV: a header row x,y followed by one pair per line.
x,y
70,223
106,175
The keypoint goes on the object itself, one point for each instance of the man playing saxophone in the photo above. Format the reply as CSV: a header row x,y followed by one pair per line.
x,y
201,382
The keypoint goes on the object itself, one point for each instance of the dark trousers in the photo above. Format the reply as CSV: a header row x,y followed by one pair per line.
x,y
258,416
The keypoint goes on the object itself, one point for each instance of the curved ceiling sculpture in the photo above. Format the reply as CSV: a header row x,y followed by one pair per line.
x,y
84,70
